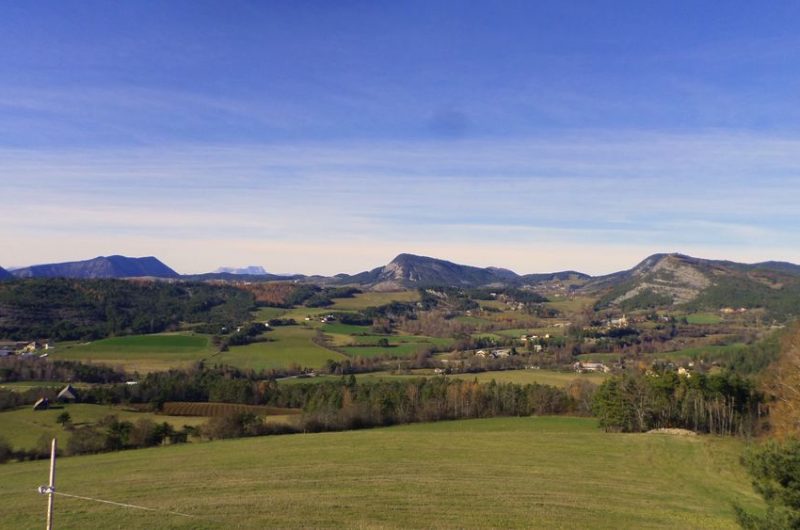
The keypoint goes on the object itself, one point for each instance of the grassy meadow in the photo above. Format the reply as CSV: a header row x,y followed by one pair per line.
x,y
520,377
525,377
287,345
399,345
549,472
142,353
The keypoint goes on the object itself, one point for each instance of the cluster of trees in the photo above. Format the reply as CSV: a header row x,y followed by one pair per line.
x,y
716,404
346,404
113,434
422,399
66,309
10,399
246,334
777,295
775,470
108,434
435,324
465,299
242,424
36,369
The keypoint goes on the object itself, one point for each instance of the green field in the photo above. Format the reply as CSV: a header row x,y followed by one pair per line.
x,y
288,345
399,345
572,304
346,329
146,353
521,377
409,349
542,377
551,472
23,427
268,313
703,352
142,353
703,318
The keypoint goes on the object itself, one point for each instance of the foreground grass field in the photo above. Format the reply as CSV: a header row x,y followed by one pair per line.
x,y
518,472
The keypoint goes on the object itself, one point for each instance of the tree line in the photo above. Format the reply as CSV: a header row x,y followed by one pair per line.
x,y
716,404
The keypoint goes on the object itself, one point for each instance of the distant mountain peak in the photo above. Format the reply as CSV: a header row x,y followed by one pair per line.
x,y
5,275
115,266
254,270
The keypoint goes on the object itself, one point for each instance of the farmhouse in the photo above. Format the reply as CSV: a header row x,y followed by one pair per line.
x,y
42,404
67,394
590,367
621,322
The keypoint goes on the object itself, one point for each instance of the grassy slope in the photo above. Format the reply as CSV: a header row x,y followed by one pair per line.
x,y
519,472
22,427
373,299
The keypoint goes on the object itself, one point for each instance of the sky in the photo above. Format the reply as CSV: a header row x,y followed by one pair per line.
x,y
321,137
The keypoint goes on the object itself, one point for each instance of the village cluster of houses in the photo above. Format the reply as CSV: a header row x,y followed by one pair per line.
x,y
38,348
493,354
324,319
732,310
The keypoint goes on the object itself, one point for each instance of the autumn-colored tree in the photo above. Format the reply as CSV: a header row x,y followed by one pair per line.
x,y
783,385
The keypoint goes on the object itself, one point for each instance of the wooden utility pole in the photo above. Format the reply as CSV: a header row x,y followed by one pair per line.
x,y
50,490
52,485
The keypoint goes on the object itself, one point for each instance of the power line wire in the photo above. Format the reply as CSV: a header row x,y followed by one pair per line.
x,y
125,505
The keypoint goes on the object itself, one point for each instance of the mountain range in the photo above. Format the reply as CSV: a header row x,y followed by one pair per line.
x,y
659,280
5,275
408,270
100,267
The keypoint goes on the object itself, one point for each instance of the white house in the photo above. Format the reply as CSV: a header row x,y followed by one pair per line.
x,y
590,367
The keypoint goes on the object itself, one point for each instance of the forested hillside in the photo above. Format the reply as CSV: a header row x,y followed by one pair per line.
x,y
63,309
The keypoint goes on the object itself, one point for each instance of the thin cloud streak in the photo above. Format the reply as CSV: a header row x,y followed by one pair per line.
x,y
717,192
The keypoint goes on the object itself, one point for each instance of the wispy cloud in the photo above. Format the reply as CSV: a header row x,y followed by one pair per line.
x,y
717,192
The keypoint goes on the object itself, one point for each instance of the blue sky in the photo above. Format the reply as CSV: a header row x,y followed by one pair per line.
x,y
322,137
